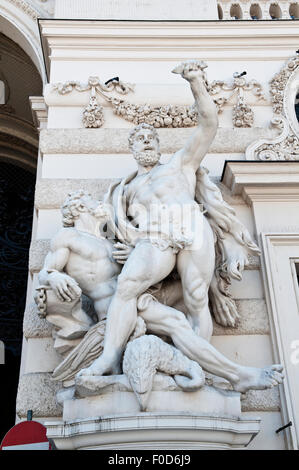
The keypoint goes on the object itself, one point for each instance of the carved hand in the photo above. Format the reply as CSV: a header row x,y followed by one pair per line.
x,y
121,253
64,286
191,70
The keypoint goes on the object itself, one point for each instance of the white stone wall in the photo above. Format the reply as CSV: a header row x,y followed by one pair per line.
x,y
72,157
137,9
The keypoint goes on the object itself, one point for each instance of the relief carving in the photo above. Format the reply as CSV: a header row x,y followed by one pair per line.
x,y
242,113
135,255
161,116
284,89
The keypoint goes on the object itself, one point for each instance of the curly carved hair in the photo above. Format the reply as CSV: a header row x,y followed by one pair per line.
x,y
70,208
136,129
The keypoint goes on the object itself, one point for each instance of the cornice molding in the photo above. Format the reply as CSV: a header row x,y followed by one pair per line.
x,y
155,40
263,181
39,111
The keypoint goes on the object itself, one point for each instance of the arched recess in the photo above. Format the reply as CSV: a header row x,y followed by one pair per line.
x,y
255,11
220,11
294,11
20,79
18,21
236,11
18,142
275,11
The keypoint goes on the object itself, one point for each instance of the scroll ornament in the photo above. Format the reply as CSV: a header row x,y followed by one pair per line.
x,y
286,145
279,81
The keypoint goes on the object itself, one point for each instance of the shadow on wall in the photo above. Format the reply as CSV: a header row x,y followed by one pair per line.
x,y
16,210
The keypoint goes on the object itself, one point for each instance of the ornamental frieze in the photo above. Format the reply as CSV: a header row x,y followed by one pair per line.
x,y
165,115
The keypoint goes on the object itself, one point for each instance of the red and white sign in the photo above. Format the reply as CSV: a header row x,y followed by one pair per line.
x,y
27,435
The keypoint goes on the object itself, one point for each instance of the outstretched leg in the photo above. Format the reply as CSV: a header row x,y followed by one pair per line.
x,y
164,320
145,266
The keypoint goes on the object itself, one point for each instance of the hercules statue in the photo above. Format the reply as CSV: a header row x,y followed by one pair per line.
x,y
206,255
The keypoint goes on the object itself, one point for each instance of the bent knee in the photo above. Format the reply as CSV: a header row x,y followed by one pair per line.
x,y
197,292
128,287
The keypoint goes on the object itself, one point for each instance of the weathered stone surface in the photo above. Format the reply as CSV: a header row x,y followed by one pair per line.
x,y
227,196
38,250
33,325
111,141
254,262
261,400
37,392
50,193
253,321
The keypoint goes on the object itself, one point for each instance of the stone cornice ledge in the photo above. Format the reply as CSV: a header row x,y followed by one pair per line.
x,y
154,431
262,181
142,40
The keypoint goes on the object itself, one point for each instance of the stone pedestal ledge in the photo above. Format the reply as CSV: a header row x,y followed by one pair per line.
x,y
154,431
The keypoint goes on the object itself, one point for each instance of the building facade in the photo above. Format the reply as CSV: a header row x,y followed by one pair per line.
x,y
66,52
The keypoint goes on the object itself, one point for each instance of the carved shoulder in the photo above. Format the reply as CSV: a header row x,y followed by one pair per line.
x,y
63,238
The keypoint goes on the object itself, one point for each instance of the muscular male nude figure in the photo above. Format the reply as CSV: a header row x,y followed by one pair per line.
x,y
82,260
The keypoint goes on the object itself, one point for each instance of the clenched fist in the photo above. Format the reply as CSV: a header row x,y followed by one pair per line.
x,y
192,70
64,286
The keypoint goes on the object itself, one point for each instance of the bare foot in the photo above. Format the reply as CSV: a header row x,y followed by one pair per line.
x,y
99,367
251,378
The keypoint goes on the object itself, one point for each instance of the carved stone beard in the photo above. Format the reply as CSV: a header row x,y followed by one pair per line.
x,y
147,158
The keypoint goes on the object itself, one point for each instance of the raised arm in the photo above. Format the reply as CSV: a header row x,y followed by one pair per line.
x,y
199,142
64,286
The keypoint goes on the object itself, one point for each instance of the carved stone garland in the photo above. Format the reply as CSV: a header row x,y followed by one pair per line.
x,y
165,115
242,113
283,89
93,114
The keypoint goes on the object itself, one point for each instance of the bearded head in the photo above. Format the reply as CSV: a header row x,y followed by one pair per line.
x,y
144,144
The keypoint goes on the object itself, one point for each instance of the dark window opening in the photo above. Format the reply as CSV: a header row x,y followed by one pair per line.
x,y
16,210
